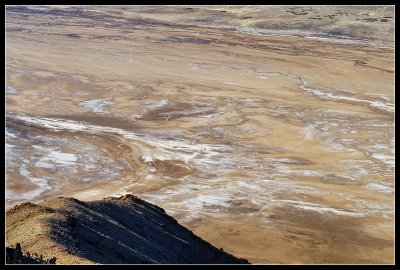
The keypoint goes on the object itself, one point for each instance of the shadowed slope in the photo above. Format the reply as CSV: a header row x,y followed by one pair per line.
x,y
110,231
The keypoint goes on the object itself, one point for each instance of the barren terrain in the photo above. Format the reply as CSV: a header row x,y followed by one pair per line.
x,y
264,131
124,230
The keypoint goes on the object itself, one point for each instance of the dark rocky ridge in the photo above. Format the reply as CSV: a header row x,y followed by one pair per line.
x,y
124,230
16,256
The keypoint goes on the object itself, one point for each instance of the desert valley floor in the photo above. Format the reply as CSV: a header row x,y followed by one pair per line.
x,y
268,139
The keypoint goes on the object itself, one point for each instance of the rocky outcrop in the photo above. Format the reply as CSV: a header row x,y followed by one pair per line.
x,y
16,256
124,230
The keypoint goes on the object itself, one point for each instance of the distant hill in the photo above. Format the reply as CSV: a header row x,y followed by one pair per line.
x,y
125,230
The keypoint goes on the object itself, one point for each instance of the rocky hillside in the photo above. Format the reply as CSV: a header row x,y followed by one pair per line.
x,y
16,256
110,231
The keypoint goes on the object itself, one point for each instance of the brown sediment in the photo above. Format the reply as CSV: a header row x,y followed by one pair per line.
x,y
177,110
172,168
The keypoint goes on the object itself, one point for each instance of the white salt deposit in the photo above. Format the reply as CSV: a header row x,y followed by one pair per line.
x,y
308,132
379,187
12,90
96,105
389,160
329,96
159,104
40,182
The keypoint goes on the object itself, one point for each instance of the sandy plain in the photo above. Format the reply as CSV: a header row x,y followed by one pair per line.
x,y
276,145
